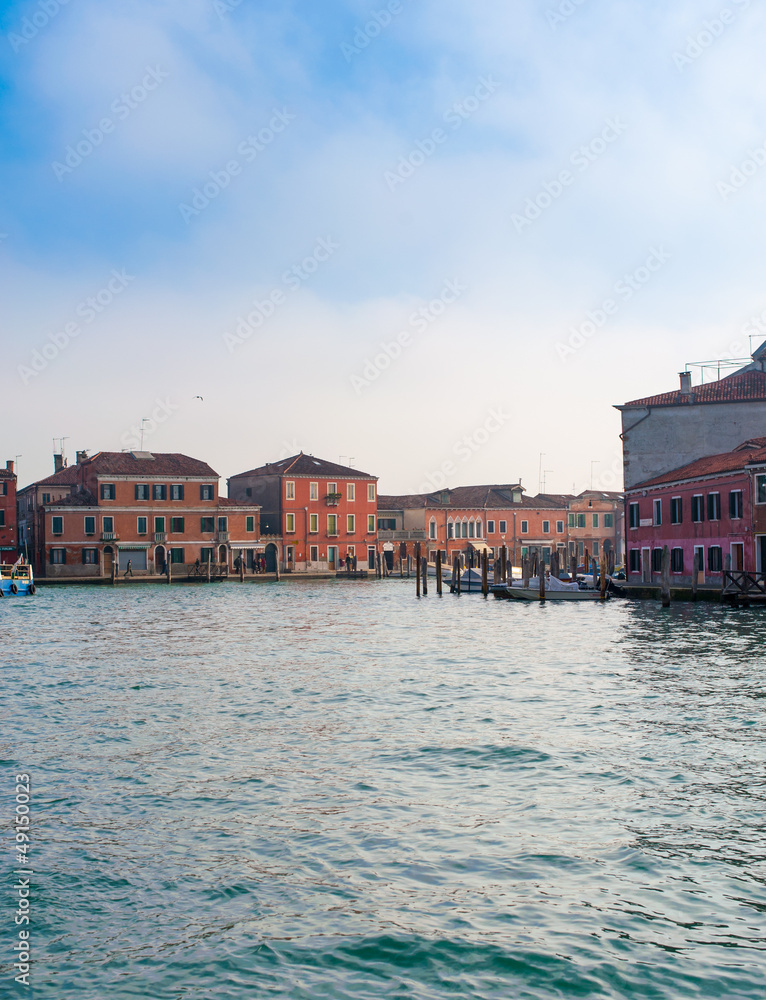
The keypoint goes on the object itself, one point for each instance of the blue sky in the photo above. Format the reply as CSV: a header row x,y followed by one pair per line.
x,y
544,159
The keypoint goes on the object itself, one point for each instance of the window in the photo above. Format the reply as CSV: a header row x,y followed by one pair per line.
x,y
608,520
635,560
207,492
450,529
177,491
177,556
699,552
142,525
107,491
714,506
524,527
223,524
595,521
571,520
657,511
207,555
559,527
371,523
490,527
290,522
698,508
677,560
289,491
478,529
58,557
387,523
465,529
432,529
2,518
159,524
177,525
676,510
90,526
351,491
656,560
107,525
207,525
471,529
581,520
760,489
314,523
546,527
371,492
159,491
350,524
3,489
503,527
250,523
313,491
715,559
595,549
735,504
332,524
633,516
142,491
332,488
46,498
90,557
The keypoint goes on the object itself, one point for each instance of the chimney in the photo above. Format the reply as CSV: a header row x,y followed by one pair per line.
x,y
686,383
81,457
9,465
58,463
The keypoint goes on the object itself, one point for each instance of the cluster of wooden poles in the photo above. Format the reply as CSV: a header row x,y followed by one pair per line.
x,y
531,566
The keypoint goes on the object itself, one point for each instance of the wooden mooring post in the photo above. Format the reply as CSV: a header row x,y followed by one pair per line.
x,y
241,565
603,578
485,573
665,587
170,571
457,574
695,575
208,567
424,564
439,572
542,580
503,564
417,570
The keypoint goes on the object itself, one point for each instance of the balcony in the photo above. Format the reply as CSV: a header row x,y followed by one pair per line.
x,y
109,536
417,534
159,536
222,536
333,499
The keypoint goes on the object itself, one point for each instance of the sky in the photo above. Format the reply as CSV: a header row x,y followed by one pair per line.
x,y
435,240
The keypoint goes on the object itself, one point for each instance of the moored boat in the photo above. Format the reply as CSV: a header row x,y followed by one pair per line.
x,y
16,578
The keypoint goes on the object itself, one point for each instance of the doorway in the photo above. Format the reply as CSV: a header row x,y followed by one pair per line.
x,y
108,560
271,558
332,556
737,556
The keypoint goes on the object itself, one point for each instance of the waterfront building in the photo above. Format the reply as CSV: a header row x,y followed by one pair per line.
x,y
714,507
595,522
665,431
468,520
8,528
324,512
147,509
30,508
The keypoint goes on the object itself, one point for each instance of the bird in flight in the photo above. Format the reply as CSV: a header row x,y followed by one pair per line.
x,y
199,397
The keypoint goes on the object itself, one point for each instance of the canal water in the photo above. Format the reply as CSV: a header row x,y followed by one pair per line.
x,y
333,790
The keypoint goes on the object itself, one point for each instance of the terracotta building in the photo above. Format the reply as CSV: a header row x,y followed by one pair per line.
x,y
595,522
145,509
324,512
8,529
469,519
714,508
30,501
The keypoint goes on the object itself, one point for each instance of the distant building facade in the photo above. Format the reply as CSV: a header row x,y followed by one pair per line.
x,y
137,512
8,527
325,513
595,523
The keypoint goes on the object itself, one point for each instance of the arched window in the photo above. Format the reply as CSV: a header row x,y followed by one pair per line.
x,y
471,529
478,528
432,528
450,529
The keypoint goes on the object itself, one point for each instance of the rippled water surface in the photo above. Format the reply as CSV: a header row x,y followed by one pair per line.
x,y
333,790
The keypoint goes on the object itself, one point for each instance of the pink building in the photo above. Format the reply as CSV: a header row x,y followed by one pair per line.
x,y
714,507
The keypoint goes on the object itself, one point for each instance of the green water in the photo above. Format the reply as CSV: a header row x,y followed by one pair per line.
x,y
336,791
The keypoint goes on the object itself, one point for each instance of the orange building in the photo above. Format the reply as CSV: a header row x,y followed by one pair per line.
x,y
8,532
325,513
470,519
140,511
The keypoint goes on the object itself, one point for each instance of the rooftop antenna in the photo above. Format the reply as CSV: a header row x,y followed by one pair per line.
x,y
540,474
61,447
144,420
16,459
545,473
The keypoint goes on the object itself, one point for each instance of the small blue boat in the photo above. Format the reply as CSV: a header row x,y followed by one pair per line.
x,y
16,578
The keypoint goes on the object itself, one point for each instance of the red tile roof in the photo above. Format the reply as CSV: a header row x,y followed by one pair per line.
x,y
710,465
244,504
68,476
742,386
82,498
306,465
154,465
470,498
